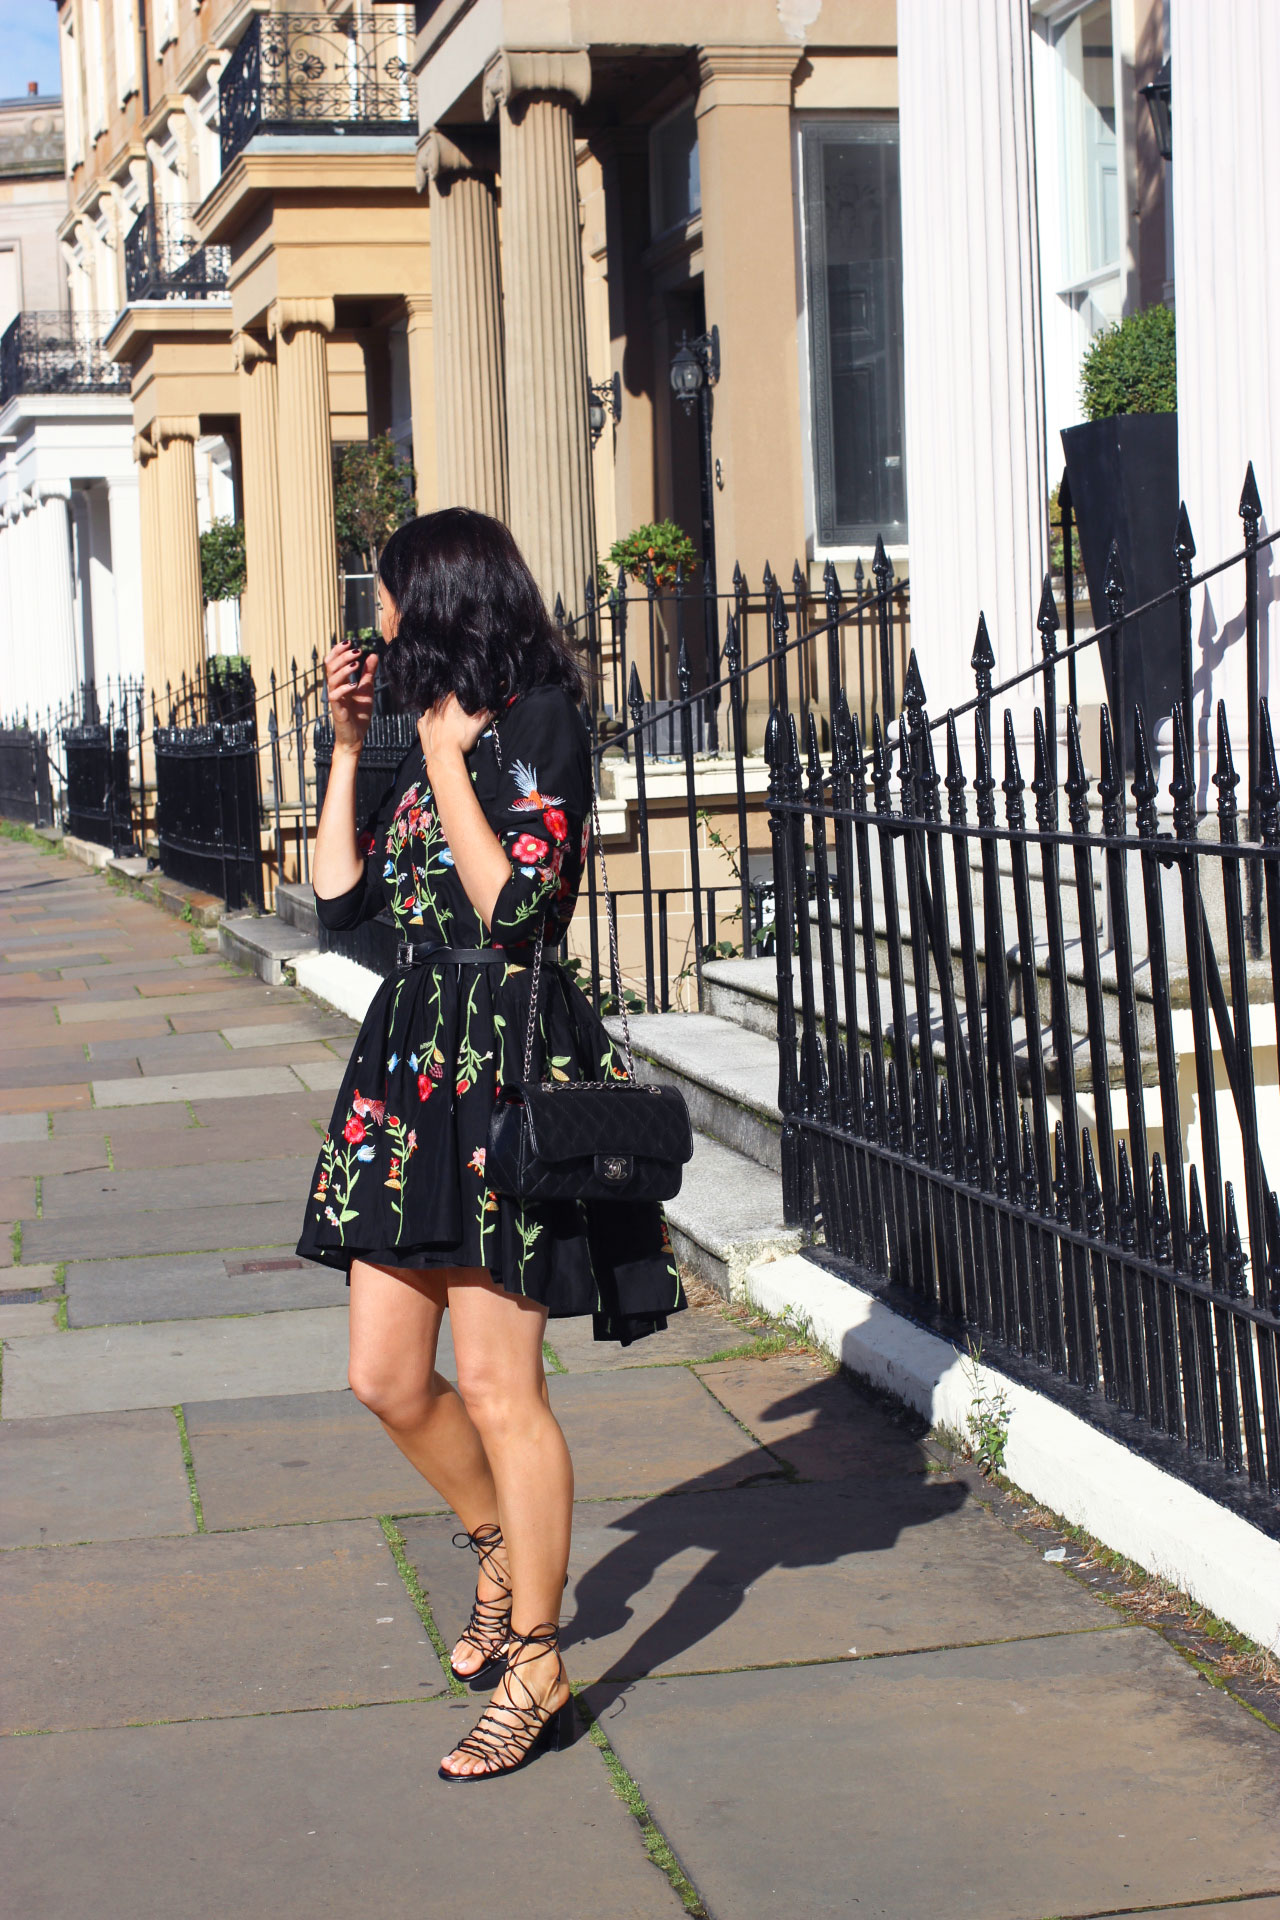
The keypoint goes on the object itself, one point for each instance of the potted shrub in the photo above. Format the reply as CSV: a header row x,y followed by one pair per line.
x,y
662,546
1122,465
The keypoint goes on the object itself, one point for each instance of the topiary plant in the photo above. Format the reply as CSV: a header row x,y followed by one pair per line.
x,y
662,545
372,496
1131,367
222,565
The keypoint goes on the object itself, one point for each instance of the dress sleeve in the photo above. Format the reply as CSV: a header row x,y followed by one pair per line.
x,y
369,895
543,801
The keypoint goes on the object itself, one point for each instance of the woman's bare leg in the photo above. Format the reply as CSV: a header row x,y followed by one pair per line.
x,y
497,1341
395,1325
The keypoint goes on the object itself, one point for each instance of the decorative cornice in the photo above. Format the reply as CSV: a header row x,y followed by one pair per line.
x,y
439,156
517,71
143,447
746,76
168,427
286,316
44,490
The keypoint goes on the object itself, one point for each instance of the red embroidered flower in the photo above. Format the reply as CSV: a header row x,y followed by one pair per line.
x,y
463,1085
557,825
527,850
353,1132
366,842
424,1086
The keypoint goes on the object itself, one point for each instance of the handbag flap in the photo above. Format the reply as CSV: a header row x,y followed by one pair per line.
x,y
576,1123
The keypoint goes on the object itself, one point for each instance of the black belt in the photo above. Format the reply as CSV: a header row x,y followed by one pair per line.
x,y
420,953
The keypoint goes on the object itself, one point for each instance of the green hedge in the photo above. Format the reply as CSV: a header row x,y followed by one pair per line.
x,y
1132,367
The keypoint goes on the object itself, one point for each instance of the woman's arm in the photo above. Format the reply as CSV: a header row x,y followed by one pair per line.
x,y
448,734
338,864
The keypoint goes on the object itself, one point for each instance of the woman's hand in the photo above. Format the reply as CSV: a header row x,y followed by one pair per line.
x,y
448,728
350,698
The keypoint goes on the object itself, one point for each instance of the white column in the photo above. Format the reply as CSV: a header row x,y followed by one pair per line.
x,y
1226,225
976,473
11,676
126,574
60,664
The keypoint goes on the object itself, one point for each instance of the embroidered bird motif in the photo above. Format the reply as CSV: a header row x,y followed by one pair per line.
x,y
531,800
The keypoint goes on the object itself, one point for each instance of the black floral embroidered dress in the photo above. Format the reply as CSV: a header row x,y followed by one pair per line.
x,y
400,1179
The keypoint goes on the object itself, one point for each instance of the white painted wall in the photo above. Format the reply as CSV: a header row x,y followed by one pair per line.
x,y
1226,215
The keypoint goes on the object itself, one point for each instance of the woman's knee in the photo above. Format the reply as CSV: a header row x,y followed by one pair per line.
x,y
496,1399
398,1397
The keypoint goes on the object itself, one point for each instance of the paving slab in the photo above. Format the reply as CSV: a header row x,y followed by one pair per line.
x,y
226,1083
106,1369
815,1420
36,1066
210,1012
32,1099
53,1156
773,1574
70,1196
691,1335
36,1316
300,1456
17,1195
320,1076
100,1012
262,1622
22,1126
165,1053
197,1286
284,1033
97,1476
312,1816
168,1230
1081,1775
649,1429
258,1136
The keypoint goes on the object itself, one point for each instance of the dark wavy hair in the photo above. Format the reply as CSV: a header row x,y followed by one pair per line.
x,y
472,621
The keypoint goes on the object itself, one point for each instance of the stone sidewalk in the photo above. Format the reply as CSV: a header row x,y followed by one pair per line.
x,y
836,1680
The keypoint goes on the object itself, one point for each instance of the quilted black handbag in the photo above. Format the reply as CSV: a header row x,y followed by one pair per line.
x,y
586,1139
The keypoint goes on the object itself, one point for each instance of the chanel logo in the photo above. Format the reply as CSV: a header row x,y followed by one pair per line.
x,y
612,1168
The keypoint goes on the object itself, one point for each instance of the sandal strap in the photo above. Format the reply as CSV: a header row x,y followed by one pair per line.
x,y
508,1728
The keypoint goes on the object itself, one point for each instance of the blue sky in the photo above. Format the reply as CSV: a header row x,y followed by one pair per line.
x,y
28,47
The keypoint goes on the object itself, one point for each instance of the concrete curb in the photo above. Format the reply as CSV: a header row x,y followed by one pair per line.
x,y
1132,1506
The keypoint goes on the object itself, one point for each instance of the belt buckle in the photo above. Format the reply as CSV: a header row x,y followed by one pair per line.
x,y
404,954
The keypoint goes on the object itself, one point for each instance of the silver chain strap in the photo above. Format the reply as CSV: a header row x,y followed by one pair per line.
x,y
613,947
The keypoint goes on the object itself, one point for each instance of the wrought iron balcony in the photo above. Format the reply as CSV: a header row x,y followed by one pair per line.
x,y
57,353
164,259
309,72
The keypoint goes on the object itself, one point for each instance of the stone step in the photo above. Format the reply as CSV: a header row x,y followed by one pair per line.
x,y
263,943
296,906
728,1076
727,1216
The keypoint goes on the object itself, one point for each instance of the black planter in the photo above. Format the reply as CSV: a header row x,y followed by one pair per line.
x,y
1123,475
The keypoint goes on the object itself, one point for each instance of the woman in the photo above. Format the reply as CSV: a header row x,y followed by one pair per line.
x,y
478,842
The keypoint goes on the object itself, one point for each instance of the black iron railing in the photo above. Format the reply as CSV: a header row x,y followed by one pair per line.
x,y
300,72
1002,1023
164,258
26,792
99,785
57,353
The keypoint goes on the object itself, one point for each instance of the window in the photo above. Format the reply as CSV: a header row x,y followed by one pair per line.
x,y
675,182
125,49
95,79
71,95
1090,173
853,248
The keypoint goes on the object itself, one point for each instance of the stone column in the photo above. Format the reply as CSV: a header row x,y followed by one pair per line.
x,y
299,329
977,482
263,633
420,340
181,602
123,503
466,293
154,663
60,663
548,444
745,159
1226,227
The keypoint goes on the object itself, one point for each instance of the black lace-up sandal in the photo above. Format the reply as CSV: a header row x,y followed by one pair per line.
x,y
489,1628
512,1732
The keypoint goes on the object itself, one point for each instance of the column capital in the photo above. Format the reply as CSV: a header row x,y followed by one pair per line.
x,y
442,154
247,350
144,447
516,71
745,76
287,316
175,426
51,490
418,309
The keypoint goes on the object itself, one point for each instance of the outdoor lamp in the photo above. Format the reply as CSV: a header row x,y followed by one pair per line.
x,y
1158,94
686,374
604,399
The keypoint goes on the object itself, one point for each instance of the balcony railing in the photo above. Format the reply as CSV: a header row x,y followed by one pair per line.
x,y
165,260
307,72
57,353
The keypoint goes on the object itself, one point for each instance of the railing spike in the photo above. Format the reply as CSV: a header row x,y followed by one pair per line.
x,y
812,753
1047,620
830,581
859,573
1250,504
1184,543
635,695
683,675
1127,1205
1225,777
1042,782
739,580
1237,1258
1109,780
1268,778
1197,1233
881,566
799,579
913,693
841,733
1182,787
1161,1223
1013,784
982,659
1145,784
774,747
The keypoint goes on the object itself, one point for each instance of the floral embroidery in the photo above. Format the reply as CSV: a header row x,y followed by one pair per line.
x,y
556,823
527,851
530,801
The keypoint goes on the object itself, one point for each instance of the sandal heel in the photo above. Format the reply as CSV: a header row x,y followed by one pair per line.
x,y
563,1727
